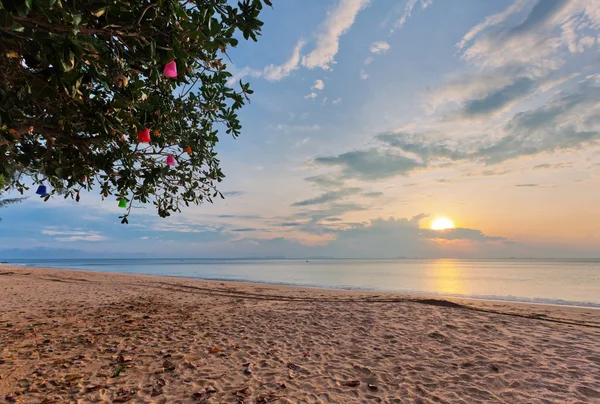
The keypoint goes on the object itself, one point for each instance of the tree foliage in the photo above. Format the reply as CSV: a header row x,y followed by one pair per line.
x,y
79,79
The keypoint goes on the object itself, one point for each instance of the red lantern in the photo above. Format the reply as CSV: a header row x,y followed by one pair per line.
x,y
144,135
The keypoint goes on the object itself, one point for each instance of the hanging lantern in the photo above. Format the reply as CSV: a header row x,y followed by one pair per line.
x,y
156,133
123,203
171,69
77,198
42,191
188,150
144,135
170,160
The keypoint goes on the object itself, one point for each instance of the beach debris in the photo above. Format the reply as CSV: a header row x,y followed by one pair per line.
x,y
215,350
437,336
293,366
168,365
124,359
95,388
249,368
201,395
243,392
291,374
262,399
372,386
211,389
73,377
494,368
351,383
156,391
117,371
123,399
306,354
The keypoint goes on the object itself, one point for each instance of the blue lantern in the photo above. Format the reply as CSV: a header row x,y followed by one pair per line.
x,y
41,191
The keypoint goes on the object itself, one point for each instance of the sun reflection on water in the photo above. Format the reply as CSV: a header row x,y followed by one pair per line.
x,y
447,277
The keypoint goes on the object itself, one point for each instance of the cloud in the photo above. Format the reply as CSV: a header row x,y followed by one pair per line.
x,y
459,234
552,166
325,181
330,196
491,21
363,75
499,99
373,194
527,185
408,8
243,230
297,128
369,60
289,224
370,164
379,47
276,73
319,85
336,101
536,42
240,74
567,123
73,235
311,96
339,21
233,194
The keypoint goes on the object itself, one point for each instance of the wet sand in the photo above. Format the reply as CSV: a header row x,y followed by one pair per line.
x,y
91,337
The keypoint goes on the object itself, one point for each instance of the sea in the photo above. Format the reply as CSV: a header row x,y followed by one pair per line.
x,y
573,282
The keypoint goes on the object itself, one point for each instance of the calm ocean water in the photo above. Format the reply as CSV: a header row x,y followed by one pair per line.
x,y
569,282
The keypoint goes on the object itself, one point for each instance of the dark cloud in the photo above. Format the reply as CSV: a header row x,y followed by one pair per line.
x,y
370,164
243,230
459,234
373,194
543,11
239,216
289,224
527,185
333,219
568,123
326,181
233,194
552,166
498,99
330,196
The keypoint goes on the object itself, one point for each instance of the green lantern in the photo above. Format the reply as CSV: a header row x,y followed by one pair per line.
x,y
123,203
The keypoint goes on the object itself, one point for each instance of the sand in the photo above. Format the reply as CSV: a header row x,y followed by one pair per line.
x,y
85,337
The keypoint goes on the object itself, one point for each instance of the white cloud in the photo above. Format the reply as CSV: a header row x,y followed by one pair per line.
x,y
491,21
363,75
74,235
319,85
311,96
276,73
297,128
368,61
379,47
410,4
339,21
336,101
240,74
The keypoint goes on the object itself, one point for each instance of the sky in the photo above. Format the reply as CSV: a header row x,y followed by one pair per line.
x,y
370,119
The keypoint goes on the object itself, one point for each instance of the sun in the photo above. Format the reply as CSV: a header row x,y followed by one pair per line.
x,y
442,223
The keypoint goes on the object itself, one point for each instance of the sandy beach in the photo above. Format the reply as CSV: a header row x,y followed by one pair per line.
x,y
86,337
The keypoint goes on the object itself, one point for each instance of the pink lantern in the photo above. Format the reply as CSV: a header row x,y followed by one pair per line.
x,y
170,160
171,69
144,135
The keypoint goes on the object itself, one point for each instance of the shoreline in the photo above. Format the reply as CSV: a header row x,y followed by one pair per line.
x,y
483,298
72,335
